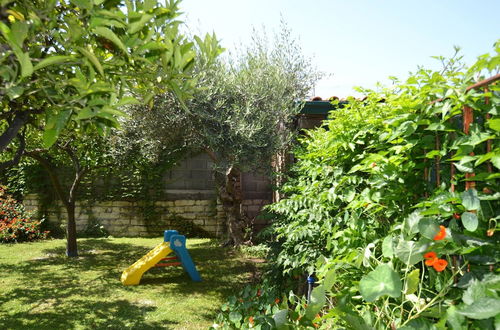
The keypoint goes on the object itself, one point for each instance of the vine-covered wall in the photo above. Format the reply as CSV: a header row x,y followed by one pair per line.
x,y
180,196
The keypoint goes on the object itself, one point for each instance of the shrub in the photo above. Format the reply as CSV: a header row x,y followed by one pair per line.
x,y
380,208
17,225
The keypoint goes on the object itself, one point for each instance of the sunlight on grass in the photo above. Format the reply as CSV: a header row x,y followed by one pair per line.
x,y
41,288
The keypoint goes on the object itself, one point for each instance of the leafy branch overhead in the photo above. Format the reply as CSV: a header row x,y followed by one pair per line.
x,y
75,63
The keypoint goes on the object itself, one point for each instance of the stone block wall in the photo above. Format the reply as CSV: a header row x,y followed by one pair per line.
x,y
132,219
188,203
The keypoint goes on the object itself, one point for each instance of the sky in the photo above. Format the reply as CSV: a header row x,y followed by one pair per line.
x,y
356,42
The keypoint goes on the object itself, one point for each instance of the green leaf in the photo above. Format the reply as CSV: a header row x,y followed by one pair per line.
x,y
470,200
474,292
428,227
19,32
453,318
280,318
481,309
495,160
55,123
111,36
56,59
49,137
470,221
388,247
494,124
412,281
411,222
235,317
136,26
93,59
85,113
26,65
83,4
410,252
14,92
126,101
329,279
380,282
318,300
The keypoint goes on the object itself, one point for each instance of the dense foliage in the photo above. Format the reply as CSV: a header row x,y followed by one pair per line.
x,y
241,115
394,208
17,225
67,70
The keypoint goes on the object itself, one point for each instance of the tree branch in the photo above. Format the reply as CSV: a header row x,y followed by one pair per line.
x,y
50,168
20,119
18,155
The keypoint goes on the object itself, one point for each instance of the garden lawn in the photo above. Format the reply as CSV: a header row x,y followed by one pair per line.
x,y
40,288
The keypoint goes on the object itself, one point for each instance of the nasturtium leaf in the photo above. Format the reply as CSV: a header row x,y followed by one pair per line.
x,y
388,247
474,292
235,317
383,281
280,318
470,200
469,220
318,300
412,280
453,318
410,252
411,222
428,227
481,309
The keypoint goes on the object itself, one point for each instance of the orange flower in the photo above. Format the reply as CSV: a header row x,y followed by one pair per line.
x,y
259,292
277,300
250,320
430,255
442,234
440,265
431,259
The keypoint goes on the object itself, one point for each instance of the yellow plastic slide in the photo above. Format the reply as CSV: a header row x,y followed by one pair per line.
x,y
133,274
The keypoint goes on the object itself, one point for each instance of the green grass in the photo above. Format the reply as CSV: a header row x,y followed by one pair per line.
x,y
42,289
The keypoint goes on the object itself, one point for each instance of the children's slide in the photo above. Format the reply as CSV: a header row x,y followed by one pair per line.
x,y
133,274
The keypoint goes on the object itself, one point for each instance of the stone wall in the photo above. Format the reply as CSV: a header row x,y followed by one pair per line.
x,y
124,218
188,203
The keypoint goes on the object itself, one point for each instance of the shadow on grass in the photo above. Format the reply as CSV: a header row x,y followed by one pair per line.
x,y
62,293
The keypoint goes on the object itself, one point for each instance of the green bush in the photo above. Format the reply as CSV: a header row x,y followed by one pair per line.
x,y
371,211
16,225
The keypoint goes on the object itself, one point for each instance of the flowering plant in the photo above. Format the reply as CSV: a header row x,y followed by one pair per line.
x,y
17,225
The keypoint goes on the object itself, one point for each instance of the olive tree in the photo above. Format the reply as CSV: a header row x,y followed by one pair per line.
x,y
241,115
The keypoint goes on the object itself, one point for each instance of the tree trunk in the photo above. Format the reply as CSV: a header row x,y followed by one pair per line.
x,y
230,197
71,245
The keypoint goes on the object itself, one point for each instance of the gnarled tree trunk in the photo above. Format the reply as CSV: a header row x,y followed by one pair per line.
x,y
229,193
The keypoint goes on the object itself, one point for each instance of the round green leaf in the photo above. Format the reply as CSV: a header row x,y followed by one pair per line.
x,y
470,221
428,227
481,309
383,281
470,200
